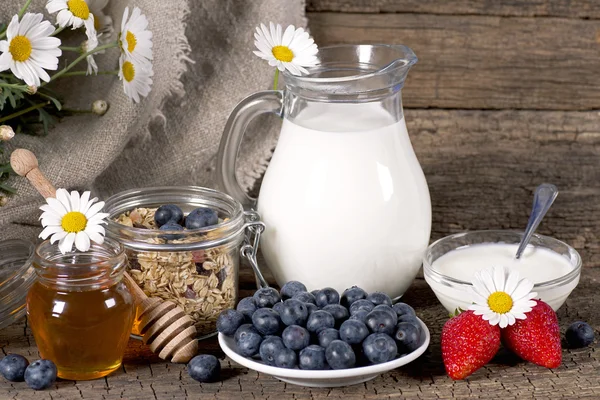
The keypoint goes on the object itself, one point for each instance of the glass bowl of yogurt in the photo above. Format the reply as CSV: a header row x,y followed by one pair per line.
x,y
450,263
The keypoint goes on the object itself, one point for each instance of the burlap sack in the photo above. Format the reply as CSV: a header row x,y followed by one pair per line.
x,y
203,65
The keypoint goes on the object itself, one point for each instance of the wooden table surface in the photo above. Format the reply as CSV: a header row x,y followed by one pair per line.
x,y
504,97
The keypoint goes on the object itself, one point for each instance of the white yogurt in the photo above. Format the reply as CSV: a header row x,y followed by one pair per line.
x,y
536,264
345,201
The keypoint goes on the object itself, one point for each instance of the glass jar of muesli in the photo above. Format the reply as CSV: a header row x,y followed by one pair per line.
x,y
197,268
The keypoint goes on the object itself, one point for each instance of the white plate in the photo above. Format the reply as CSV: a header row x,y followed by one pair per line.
x,y
329,378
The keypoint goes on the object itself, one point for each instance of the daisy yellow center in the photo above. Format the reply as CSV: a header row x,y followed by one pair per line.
x,y
131,41
500,302
128,71
79,8
74,222
283,53
20,48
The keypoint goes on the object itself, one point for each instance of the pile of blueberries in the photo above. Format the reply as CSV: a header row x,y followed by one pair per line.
x,y
39,375
320,329
170,218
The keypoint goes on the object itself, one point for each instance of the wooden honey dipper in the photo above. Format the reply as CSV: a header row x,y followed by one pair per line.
x,y
164,326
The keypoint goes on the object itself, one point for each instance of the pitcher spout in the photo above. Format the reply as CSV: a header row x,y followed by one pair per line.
x,y
354,73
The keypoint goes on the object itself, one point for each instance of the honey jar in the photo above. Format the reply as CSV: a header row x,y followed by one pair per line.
x,y
80,310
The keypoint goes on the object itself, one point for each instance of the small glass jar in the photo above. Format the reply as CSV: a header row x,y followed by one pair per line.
x,y
16,277
197,269
80,310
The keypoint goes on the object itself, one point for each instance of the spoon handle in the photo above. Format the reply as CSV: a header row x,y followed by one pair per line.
x,y
542,200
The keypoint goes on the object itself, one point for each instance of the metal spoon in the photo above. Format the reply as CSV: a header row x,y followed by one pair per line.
x,y
542,200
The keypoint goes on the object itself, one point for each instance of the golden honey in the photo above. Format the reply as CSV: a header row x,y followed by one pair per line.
x,y
81,315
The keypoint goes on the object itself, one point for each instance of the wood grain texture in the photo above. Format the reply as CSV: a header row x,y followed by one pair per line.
x,y
483,62
145,377
519,8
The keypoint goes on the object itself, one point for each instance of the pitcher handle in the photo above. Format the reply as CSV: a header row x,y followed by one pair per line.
x,y
270,101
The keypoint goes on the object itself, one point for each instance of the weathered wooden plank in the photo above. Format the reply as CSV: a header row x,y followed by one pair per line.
x,y
483,62
519,8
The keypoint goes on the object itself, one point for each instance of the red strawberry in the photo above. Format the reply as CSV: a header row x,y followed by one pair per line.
x,y
468,343
536,338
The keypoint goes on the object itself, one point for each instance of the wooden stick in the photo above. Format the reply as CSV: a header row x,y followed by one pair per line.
x,y
170,332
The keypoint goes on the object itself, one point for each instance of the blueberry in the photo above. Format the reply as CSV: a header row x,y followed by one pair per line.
x,y
380,321
403,309
327,296
286,358
407,337
270,346
266,297
326,336
40,374
361,304
312,357
351,295
411,319
12,367
314,292
171,227
266,321
229,321
204,368
339,355
278,306
311,308
201,218
318,320
339,312
291,288
305,297
295,337
168,213
248,340
379,348
247,306
294,312
360,315
389,310
579,334
378,298
353,331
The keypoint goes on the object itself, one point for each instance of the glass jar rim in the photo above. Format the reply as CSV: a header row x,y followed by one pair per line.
x,y
577,264
116,256
194,239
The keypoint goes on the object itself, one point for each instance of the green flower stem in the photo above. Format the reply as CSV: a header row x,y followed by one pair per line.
x,y
21,13
25,111
74,49
276,80
58,30
83,73
25,7
22,88
80,58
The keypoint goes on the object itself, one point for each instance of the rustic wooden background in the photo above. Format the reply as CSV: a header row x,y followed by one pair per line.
x,y
506,95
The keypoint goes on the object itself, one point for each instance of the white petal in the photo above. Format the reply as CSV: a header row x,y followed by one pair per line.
x,y
51,220
74,200
96,237
511,282
63,196
495,319
57,236
480,288
91,228
288,35
13,27
66,244
82,241
5,60
523,288
55,6
84,202
50,230
125,19
93,210
488,281
499,275
511,319
57,206
519,315
503,321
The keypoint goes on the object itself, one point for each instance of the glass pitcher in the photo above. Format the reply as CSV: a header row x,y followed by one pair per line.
x,y
344,199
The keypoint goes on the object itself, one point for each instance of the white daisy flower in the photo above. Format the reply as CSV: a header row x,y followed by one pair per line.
x,y
500,297
89,45
136,77
74,13
102,22
29,50
73,219
293,50
135,39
